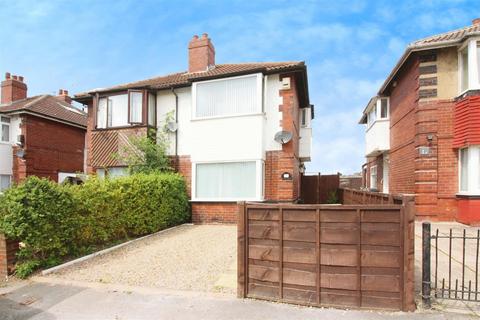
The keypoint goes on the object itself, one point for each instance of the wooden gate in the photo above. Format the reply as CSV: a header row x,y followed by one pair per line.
x,y
317,188
325,255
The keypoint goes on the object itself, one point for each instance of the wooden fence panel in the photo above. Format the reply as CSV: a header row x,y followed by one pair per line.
x,y
347,256
316,189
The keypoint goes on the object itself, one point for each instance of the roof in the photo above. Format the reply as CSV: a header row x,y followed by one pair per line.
x,y
186,78
47,106
443,40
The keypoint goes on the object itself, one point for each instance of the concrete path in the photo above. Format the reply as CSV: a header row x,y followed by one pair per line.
x,y
44,299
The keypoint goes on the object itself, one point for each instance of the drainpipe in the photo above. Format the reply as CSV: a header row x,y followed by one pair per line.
x,y
176,120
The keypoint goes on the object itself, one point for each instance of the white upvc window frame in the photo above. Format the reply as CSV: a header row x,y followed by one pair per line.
x,y
377,111
473,171
10,181
259,181
376,177
305,116
9,125
472,45
259,98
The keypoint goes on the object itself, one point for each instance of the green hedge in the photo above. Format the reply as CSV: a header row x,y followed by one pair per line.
x,y
55,221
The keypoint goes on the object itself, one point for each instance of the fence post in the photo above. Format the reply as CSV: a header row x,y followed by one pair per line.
x,y
426,283
241,254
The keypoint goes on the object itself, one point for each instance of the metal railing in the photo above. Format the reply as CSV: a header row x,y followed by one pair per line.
x,y
453,285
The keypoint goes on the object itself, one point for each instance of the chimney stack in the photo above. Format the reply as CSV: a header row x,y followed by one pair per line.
x,y
476,22
201,54
13,88
63,95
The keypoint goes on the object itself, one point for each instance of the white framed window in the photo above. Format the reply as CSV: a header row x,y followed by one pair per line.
x,y
135,104
152,105
112,111
383,108
228,181
373,177
371,116
5,129
469,170
305,117
227,97
469,66
5,182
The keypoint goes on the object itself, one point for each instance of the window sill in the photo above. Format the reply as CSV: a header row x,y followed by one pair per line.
x,y
120,127
228,116
464,194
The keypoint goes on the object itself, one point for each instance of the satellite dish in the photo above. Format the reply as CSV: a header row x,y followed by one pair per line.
x,y
172,126
283,137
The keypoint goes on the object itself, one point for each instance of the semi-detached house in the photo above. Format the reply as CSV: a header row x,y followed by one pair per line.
x,y
223,120
41,135
423,127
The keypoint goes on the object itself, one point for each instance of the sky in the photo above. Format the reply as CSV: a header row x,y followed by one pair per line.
x,y
349,46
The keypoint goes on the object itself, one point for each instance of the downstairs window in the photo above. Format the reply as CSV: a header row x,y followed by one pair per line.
x,y
226,181
469,170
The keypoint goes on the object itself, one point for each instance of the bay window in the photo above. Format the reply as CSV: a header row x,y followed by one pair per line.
x,y
469,170
241,180
5,127
469,66
371,116
122,110
228,97
112,172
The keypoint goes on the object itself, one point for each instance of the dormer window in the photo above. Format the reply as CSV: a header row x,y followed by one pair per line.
x,y
469,66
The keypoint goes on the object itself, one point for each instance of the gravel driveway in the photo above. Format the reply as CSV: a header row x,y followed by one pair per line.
x,y
189,257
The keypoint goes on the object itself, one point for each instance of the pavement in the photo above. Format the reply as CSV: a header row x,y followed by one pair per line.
x,y
46,298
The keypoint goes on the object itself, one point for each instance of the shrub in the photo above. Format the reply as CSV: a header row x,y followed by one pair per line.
x,y
57,221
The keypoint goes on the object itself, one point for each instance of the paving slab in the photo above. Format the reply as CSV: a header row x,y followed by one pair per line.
x,y
45,301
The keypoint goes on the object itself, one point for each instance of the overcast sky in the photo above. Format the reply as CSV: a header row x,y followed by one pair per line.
x,y
349,47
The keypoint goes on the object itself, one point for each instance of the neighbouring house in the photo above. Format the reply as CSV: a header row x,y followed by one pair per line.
x,y
423,127
352,181
42,135
225,125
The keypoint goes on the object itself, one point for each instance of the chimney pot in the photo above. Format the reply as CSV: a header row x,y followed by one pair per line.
x,y
65,92
476,22
63,95
20,78
195,37
60,92
15,77
205,35
8,76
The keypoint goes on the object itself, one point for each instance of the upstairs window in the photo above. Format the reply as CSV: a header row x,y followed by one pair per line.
x,y
469,66
135,106
228,97
120,110
151,109
305,117
469,170
383,102
372,116
5,126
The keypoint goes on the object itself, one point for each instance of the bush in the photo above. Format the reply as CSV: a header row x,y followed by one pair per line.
x,y
58,221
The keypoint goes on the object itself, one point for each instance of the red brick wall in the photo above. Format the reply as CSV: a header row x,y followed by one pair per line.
x,y
214,212
50,147
8,249
13,89
403,101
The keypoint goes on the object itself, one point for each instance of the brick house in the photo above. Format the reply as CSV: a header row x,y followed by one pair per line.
x,y
223,122
41,135
423,127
